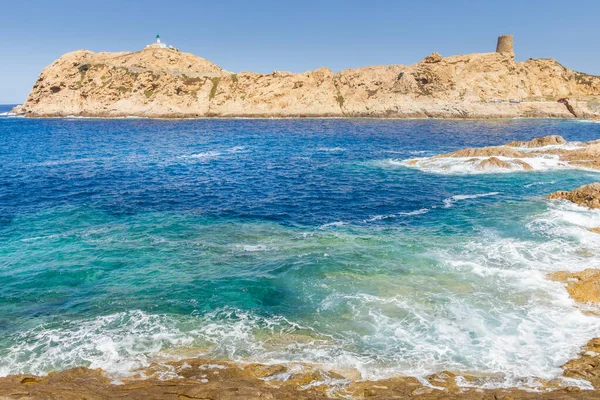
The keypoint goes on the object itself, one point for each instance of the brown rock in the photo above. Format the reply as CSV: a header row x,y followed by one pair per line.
x,y
583,286
586,196
493,162
433,58
523,164
539,142
492,151
201,379
587,366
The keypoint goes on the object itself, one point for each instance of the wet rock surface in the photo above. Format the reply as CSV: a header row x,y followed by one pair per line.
x,y
586,196
583,286
207,379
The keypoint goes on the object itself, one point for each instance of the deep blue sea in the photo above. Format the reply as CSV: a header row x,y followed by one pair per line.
x,y
127,241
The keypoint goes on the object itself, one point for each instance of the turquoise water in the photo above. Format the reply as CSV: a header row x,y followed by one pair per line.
x,y
127,241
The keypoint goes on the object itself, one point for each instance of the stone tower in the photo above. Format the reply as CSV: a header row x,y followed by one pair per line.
x,y
505,44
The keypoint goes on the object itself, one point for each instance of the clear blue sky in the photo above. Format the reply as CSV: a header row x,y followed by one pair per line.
x,y
266,35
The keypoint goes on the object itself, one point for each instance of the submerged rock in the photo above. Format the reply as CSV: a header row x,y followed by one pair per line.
x,y
586,196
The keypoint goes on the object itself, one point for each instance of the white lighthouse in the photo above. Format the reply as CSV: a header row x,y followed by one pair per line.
x,y
158,44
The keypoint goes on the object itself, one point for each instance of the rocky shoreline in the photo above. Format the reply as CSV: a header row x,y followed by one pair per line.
x,y
208,379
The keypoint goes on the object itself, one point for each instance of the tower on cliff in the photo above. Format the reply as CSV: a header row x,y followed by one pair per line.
x,y
505,44
158,44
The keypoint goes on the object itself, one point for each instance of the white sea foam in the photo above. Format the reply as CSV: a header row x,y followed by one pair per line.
x,y
543,315
396,215
566,146
213,154
332,149
118,343
11,115
539,183
237,149
52,163
208,155
484,305
254,248
333,224
470,165
450,201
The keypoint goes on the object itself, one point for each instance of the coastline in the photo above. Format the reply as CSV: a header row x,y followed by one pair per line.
x,y
307,117
166,83
205,378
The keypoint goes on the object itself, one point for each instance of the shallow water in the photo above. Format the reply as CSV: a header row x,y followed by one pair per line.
x,y
123,241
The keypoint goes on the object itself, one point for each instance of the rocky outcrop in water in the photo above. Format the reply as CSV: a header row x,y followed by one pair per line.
x,y
159,82
583,286
521,156
586,196
551,140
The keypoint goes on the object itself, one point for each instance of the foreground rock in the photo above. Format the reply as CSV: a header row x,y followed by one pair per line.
x,y
587,366
163,82
583,286
586,196
204,379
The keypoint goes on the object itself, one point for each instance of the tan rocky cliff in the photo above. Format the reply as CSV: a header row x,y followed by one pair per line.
x,y
168,83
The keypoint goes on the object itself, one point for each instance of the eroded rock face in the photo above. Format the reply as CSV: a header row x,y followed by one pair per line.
x,y
586,196
583,286
167,83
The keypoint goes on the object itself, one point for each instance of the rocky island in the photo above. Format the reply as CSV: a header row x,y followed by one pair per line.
x,y
162,82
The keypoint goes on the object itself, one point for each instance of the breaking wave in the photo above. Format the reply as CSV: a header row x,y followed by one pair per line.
x,y
450,201
471,165
332,149
488,308
396,215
